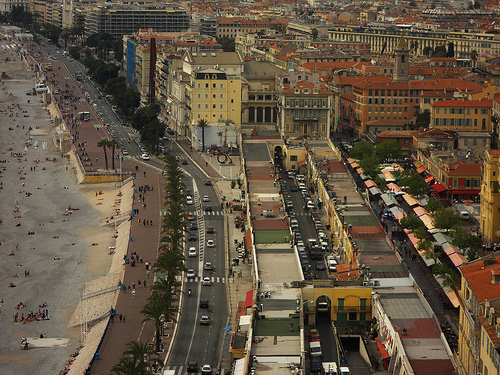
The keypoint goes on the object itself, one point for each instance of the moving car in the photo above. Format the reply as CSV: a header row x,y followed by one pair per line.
x,y
208,183
189,199
208,209
210,243
203,303
208,266
206,370
192,367
206,281
192,237
192,252
145,157
206,198
210,230
190,274
204,320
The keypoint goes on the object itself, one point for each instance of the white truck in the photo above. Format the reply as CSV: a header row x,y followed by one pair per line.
x,y
330,368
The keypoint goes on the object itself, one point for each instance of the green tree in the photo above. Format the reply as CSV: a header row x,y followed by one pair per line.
x,y
416,185
388,150
423,120
450,278
433,205
170,263
451,50
361,149
74,52
427,51
370,165
439,51
445,219
411,222
414,45
314,33
159,309
467,242
227,44
114,145
136,360
473,56
104,143
202,124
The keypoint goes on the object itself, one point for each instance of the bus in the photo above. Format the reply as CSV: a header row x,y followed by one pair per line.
x,y
84,116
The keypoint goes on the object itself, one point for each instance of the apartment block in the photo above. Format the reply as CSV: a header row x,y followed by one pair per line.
x,y
304,106
479,321
119,20
490,196
462,115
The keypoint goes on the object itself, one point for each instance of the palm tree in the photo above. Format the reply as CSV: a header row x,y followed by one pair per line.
x,y
114,145
202,123
171,263
165,286
104,143
159,309
136,360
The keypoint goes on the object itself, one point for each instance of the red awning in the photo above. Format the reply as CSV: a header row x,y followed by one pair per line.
x,y
429,179
382,349
439,187
465,191
249,299
420,170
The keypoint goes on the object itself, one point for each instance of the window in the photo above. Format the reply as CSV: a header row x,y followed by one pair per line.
x,y
296,127
468,111
199,106
232,100
206,106
455,182
323,128
293,157
214,85
214,96
484,111
287,127
222,96
221,85
199,96
206,85
483,124
445,111
221,106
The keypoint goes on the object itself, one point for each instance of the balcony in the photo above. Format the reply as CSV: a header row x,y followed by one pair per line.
x,y
352,308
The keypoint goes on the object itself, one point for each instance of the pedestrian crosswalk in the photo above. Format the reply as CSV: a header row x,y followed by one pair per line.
x,y
218,280
209,213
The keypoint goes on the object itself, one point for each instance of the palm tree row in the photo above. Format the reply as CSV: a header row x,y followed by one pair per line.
x,y
161,306
112,144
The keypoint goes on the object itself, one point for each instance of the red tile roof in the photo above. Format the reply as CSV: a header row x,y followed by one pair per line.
x,y
464,103
459,168
494,153
480,279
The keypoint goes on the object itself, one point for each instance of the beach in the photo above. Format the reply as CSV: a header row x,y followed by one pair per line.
x,y
50,227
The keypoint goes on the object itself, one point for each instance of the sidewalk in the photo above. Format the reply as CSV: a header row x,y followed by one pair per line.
x,y
144,240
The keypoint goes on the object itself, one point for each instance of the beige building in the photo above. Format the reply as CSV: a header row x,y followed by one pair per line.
x,y
305,106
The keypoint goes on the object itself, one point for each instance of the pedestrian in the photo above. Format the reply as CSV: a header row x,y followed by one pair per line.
x,y
124,316
133,284
144,283
120,317
133,293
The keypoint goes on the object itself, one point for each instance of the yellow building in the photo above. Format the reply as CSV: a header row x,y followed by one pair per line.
x,y
479,321
214,96
462,115
490,196
347,305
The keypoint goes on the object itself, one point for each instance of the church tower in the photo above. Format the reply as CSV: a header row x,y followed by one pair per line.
x,y
401,61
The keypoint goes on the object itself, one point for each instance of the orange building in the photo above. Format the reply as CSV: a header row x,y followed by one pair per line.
x,y
462,115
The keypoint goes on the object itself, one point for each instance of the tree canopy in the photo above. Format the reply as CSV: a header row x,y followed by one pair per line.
x,y
445,219
361,149
416,185
388,150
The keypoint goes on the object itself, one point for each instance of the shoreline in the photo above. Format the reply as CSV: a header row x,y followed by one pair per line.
x,y
52,187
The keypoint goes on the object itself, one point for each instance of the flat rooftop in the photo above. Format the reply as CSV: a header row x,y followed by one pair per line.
x,y
277,264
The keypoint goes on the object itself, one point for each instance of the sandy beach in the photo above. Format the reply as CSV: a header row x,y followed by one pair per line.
x,y
67,246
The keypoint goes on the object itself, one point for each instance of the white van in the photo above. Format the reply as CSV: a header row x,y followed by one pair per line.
x,y
331,263
344,370
315,349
